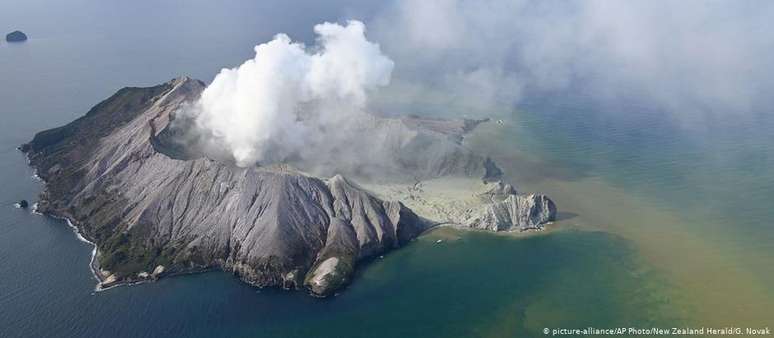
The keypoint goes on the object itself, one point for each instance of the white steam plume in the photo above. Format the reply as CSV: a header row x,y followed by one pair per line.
x,y
291,98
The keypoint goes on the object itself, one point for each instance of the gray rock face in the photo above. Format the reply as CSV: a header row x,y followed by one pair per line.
x,y
471,203
144,210
513,212
498,192
505,209
16,36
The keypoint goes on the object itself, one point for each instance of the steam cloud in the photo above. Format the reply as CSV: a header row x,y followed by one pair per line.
x,y
695,59
290,100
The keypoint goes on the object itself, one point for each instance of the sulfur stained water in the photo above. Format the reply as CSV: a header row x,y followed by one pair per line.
x,y
663,222
694,199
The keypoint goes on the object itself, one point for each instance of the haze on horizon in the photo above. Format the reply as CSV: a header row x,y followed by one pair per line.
x,y
694,60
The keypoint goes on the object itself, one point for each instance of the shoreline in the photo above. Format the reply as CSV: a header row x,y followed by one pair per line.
x,y
93,265
440,200
101,281
73,227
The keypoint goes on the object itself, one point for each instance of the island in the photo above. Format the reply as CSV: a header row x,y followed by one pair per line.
x,y
154,208
16,36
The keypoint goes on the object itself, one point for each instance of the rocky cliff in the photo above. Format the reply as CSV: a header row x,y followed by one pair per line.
x,y
502,208
468,202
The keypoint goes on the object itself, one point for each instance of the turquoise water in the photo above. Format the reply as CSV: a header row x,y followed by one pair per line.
x,y
664,222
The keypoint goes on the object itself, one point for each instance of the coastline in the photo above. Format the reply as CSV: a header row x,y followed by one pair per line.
x,y
446,194
103,282
93,265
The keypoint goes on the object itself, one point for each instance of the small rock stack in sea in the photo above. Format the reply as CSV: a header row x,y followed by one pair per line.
x,y
16,36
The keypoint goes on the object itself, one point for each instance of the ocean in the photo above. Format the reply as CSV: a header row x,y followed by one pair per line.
x,y
663,223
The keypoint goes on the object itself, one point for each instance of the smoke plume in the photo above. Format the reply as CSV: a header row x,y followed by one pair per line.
x,y
291,100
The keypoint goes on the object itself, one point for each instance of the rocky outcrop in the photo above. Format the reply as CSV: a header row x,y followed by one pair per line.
x,y
471,203
16,36
514,212
503,208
